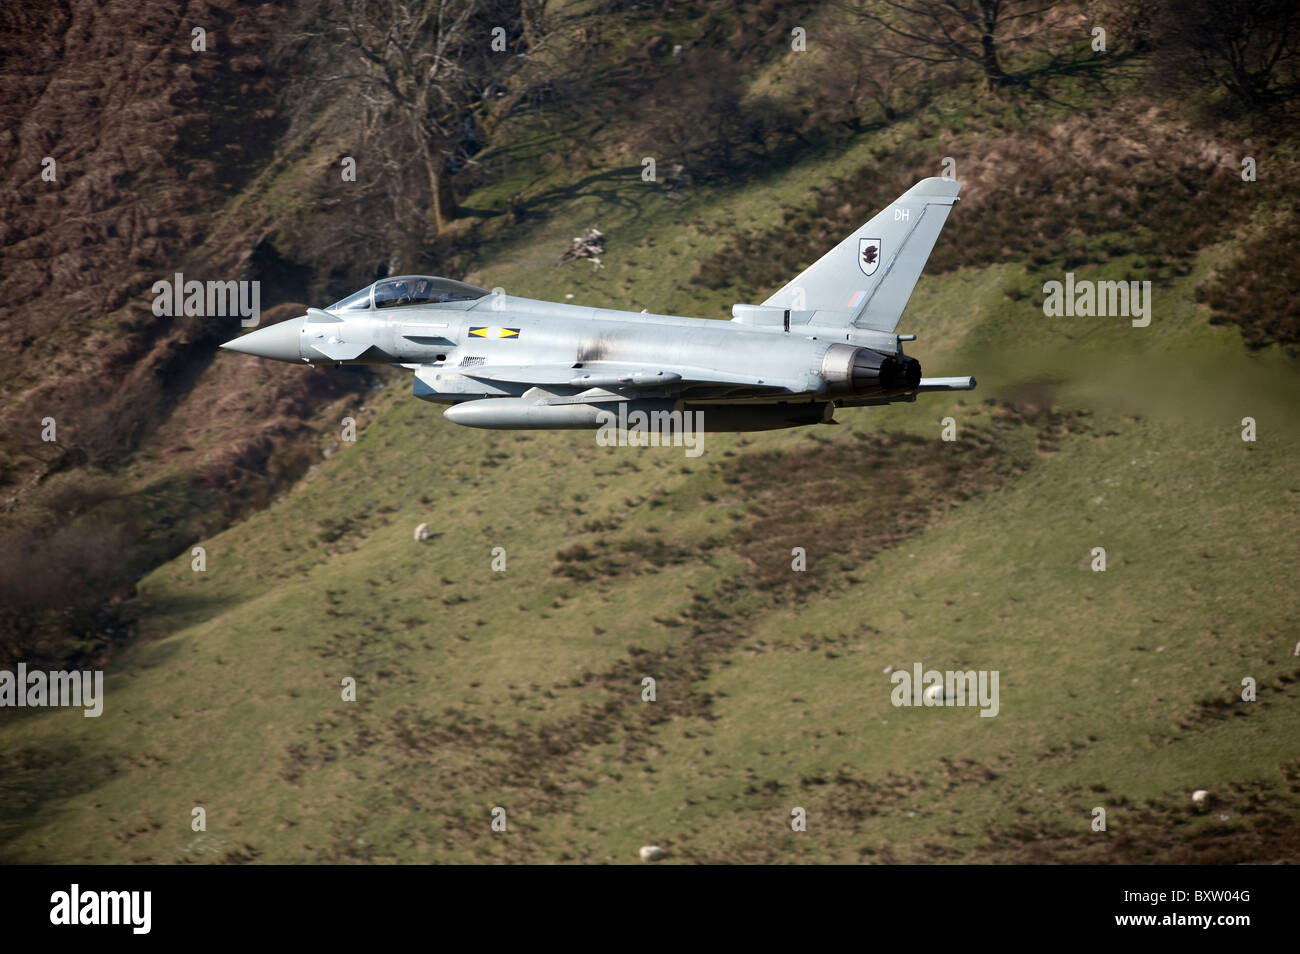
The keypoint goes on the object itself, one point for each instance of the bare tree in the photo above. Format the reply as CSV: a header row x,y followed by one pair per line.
x,y
420,66
1251,48
698,117
860,69
943,31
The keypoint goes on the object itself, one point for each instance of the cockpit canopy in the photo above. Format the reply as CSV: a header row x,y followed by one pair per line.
x,y
409,290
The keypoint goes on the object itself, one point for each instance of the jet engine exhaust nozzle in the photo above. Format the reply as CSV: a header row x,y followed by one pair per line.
x,y
865,371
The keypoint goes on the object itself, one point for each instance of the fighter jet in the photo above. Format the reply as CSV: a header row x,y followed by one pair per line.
x,y
825,340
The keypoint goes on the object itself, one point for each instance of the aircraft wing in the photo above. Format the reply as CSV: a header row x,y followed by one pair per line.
x,y
593,375
519,373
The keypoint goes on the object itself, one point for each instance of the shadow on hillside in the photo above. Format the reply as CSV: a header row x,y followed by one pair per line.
x,y
152,623
34,780
618,187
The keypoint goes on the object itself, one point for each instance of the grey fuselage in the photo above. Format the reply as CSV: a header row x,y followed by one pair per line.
x,y
505,362
559,343
826,339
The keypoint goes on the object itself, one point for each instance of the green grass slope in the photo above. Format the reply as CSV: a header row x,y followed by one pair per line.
x,y
522,689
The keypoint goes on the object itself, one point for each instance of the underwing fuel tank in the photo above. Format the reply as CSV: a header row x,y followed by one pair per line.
x,y
510,413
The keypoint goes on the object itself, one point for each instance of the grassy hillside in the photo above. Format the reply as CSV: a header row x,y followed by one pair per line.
x,y
522,689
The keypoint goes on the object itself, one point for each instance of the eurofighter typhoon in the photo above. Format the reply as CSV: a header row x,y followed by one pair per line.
x,y
824,341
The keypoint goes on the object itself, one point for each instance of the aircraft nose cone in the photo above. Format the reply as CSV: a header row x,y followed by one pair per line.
x,y
280,342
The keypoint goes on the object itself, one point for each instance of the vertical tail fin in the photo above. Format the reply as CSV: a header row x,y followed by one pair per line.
x,y
869,276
